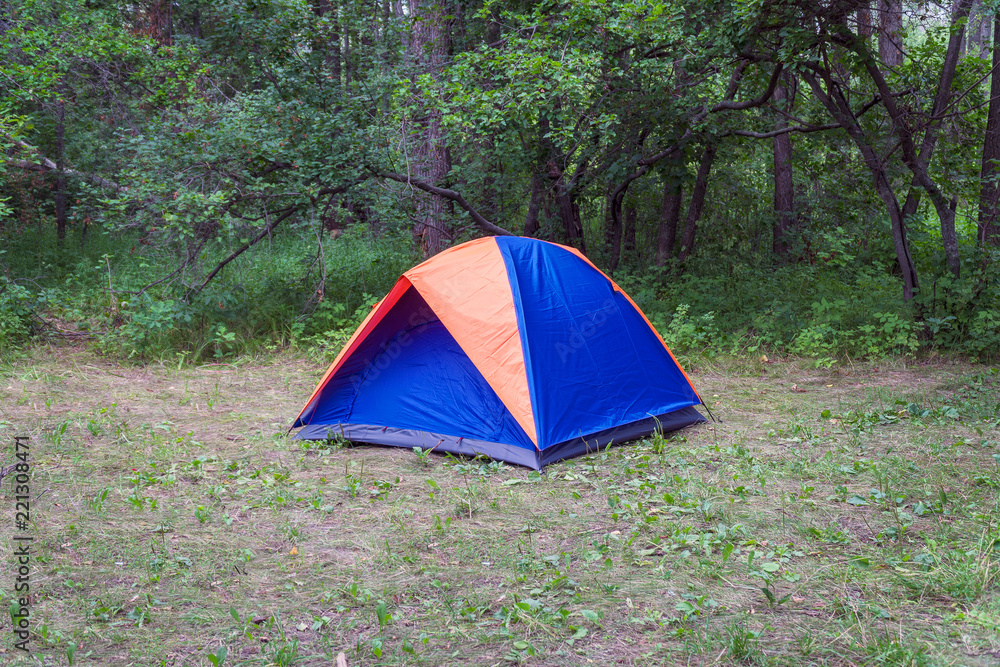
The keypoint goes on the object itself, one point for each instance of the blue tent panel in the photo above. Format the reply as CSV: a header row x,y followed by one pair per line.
x,y
411,375
334,403
593,363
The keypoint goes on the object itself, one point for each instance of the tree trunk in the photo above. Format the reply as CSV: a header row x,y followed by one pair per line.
x,y
697,201
785,220
429,49
569,213
989,193
890,45
613,231
347,56
628,234
670,209
865,25
329,44
561,191
984,33
60,194
531,225
670,213
333,50
979,31
566,209
840,110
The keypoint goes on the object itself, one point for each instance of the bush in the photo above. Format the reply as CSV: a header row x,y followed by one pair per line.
x,y
334,327
963,314
690,334
18,314
891,334
147,327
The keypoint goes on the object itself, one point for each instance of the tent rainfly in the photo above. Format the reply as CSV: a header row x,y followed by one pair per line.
x,y
515,348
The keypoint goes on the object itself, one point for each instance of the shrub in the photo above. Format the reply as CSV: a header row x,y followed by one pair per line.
x,y
147,327
691,334
18,314
334,327
890,335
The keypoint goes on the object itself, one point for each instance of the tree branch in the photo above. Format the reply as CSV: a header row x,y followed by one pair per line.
x,y
264,232
246,246
728,104
451,195
785,130
45,165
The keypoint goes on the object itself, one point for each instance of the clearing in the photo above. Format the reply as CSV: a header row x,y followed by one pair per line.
x,y
835,517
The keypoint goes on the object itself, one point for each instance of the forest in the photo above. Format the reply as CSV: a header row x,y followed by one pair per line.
x,y
212,178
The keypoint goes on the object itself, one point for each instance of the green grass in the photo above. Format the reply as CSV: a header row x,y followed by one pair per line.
x,y
172,517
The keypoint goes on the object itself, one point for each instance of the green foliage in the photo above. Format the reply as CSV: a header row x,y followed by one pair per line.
x,y
824,329
964,314
743,644
685,333
246,125
18,314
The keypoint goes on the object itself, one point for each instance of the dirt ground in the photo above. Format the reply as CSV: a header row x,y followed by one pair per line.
x,y
847,516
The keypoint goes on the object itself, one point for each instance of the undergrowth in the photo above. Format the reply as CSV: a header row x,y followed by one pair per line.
x,y
286,295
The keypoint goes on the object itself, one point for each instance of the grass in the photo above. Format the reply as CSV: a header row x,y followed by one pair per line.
x,y
835,517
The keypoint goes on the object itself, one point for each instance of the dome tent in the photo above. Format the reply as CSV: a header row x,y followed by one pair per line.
x,y
511,347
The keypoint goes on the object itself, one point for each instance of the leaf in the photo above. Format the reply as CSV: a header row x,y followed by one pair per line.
x,y
591,616
878,612
857,501
219,657
770,567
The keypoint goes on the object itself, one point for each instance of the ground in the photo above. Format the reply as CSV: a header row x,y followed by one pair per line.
x,y
833,517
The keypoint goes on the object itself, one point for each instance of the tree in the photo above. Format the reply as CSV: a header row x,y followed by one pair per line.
x,y
890,27
819,58
429,47
670,208
69,69
785,217
989,198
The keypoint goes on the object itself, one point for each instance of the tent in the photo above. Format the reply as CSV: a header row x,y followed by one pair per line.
x,y
511,347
